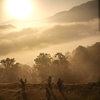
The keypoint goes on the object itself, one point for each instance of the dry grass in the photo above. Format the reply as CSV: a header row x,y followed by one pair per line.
x,y
13,91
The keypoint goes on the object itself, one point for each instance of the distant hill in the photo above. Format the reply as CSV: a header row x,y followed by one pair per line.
x,y
87,54
83,12
7,26
95,48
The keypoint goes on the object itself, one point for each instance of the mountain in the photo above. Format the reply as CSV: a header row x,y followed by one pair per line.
x,y
7,26
83,12
86,56
93,51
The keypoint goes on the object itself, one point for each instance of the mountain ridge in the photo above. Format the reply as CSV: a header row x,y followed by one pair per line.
x,y
89,8
84,12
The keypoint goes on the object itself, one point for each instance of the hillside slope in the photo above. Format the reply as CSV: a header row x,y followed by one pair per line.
x,y
84,12
37,92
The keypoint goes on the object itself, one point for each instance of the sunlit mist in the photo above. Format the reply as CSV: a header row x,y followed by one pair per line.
x,y
19,9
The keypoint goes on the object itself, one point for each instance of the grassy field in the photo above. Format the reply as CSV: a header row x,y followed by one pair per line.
x,y
13,91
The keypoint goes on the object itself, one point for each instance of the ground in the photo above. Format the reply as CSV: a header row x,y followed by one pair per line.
x,y
13,91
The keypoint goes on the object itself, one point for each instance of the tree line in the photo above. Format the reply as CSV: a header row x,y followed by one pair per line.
x,y
80,66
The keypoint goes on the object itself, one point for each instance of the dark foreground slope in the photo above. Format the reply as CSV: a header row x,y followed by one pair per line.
x,y
37,92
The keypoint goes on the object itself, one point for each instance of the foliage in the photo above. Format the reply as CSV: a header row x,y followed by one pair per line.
x,y
8,62
43,64
60,66
84,67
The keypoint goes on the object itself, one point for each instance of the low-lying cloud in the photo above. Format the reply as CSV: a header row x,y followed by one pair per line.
x,y
37,38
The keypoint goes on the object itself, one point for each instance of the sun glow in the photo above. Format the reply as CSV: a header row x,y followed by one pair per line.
x,y
19,9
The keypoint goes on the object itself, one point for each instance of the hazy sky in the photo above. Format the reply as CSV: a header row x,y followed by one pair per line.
x,y
41,8
25,44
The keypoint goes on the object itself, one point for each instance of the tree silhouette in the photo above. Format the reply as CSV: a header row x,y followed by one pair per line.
x,y
7,63
60,60
60,66
43,59
42,64
7,72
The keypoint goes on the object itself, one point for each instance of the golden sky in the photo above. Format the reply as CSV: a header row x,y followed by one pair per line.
x,y
26,43
40,8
